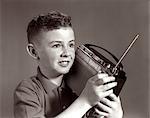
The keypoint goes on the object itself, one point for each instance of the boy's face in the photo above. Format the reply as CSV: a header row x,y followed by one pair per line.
x,y
56,50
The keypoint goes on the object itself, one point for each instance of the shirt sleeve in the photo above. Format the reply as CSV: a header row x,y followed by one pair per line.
x,y
26,102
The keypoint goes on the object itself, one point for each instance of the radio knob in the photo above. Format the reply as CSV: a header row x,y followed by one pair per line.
x,y
108,66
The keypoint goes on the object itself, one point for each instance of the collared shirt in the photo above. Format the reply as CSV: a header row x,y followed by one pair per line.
x,y
37,97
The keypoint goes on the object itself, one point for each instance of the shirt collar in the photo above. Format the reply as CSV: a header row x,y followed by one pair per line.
x,y
48,85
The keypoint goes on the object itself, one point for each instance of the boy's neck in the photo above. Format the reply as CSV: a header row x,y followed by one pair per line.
x,y
57,80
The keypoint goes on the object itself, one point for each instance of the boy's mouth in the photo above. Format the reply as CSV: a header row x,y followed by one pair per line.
x,y
64,63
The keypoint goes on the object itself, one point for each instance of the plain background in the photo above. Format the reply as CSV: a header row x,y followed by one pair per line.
x,y
111,24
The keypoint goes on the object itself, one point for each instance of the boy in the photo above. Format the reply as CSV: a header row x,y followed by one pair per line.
x,y
51,42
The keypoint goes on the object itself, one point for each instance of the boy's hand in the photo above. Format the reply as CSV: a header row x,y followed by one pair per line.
x,y
110,108
96,89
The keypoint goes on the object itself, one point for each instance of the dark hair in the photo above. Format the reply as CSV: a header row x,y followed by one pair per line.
x,y
45,22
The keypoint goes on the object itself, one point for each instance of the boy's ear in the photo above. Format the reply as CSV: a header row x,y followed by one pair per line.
x,y
32,51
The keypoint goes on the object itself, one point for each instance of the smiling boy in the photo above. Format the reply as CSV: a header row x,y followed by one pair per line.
x,y
51,42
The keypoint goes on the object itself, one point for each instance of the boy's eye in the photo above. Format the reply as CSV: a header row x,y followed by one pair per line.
x,y
56,45
72,45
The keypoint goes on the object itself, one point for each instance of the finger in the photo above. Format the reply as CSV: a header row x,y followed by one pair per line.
x,y
99,76
119,99
102,75
107,102
101,113
113,97
104,108
109,86
99,82
106,93
108,79
94,78
104,80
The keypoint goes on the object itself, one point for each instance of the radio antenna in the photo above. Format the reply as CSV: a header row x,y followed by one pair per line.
x,y
125,53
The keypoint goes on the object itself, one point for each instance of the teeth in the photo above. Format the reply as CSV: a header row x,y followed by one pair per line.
x,y
64,63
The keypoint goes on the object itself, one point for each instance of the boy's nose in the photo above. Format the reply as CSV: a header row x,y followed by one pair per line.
x,y
65,52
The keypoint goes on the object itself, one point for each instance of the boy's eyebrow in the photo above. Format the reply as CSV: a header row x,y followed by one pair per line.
x,y
55,42
72,41
59,41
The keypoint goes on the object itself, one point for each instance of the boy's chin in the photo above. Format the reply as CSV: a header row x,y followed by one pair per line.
x,y
64,71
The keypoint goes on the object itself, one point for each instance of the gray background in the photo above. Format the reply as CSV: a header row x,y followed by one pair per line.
x,y
111,24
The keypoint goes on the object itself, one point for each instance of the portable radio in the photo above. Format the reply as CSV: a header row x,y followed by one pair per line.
x,y
89,62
